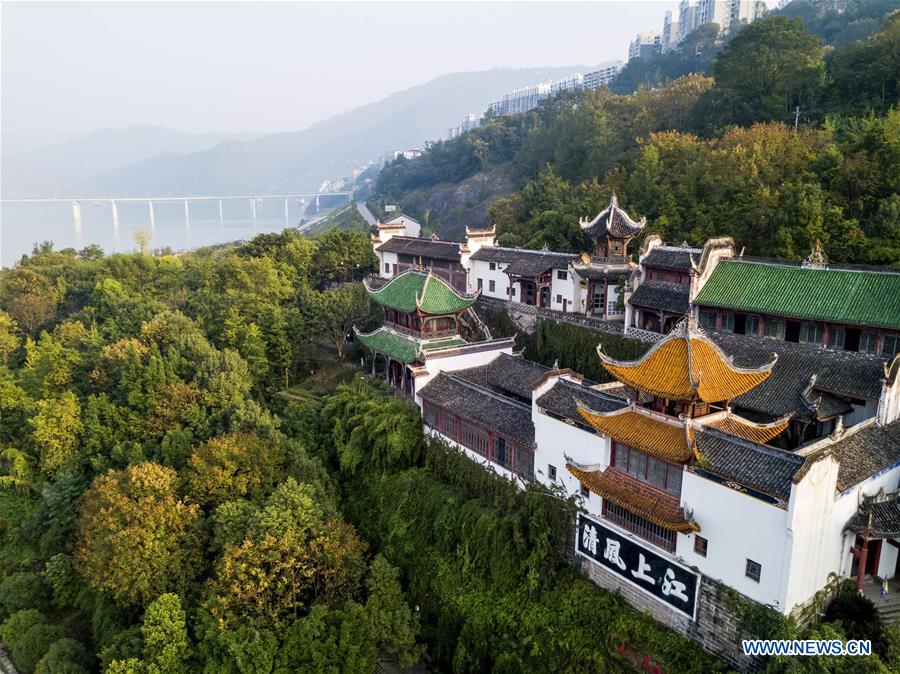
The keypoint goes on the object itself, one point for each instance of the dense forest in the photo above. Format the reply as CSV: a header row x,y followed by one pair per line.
x,y
779,141
186,486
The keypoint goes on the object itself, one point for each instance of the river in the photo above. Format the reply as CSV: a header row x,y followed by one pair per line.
x,y
22,225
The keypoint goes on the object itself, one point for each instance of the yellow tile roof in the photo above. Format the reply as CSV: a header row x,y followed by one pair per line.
x,y
637,497
742,428
638,429
686,365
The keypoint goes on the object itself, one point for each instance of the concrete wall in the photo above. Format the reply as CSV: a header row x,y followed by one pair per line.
x,y
481,270
738,527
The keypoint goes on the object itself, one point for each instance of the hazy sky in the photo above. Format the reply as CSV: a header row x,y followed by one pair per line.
x,y
70,68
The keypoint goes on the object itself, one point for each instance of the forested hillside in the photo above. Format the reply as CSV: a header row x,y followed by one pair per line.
x,y
166,507
784,141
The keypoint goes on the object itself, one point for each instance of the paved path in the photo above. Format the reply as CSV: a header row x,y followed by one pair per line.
x,y
6,665
365,212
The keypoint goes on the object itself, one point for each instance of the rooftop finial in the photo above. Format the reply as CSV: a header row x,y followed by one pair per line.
x,y
816,257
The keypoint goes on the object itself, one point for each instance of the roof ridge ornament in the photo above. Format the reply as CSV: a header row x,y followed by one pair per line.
x,y
817,258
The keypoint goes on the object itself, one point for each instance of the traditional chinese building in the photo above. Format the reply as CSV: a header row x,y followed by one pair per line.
x,y
689,470
420,335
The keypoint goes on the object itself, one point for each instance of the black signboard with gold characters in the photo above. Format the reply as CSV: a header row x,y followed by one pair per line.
x,y
659,577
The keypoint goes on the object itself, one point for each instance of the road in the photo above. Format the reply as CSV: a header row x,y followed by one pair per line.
x,y
365,212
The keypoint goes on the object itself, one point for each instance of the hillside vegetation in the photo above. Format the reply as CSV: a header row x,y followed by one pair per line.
x,y
704,155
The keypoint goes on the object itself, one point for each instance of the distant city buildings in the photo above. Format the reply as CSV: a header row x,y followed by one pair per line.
x,y
528,98
644,45
691,14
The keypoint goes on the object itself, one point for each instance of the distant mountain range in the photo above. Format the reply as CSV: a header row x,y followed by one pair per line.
x,y
142,160
65,167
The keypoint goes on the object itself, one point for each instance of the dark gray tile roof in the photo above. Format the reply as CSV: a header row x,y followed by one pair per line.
x,y
671,297
490,410
535,263
866,452
564,396
613,221
884,521
845,374
512,376
671,258
766,469
610,273
408,245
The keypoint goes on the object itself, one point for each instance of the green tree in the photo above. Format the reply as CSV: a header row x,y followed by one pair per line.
x,y
135,537
166,644
238,466
29,297
55,429
394,624
768,68
337,310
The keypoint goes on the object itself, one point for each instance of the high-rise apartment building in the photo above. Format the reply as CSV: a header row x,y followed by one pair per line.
x,y
644,45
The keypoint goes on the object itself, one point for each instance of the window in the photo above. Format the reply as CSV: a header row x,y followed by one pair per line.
x,y
753,571
637,525
551,472
492,286
559,299
562,275
492,266
524,463
661,474
448,425
501,455
774,328
431,414
585,492
867,342
752,325
890,345
611,308
837,337
513,293
707,319
387,267
597,301
700,545
811,333
728,322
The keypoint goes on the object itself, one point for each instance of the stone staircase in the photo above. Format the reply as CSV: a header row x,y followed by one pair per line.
x,y
889,606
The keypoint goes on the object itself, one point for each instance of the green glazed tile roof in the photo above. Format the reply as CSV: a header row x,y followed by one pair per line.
x,y
415,289
398,347
402,348
444,343
859,297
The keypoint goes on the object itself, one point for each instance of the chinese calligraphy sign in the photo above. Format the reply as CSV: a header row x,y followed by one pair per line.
x,y
662,578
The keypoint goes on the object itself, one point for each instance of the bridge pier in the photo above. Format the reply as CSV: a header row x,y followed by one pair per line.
x,y
187,221
317,203
287,219
253,211
152,217
115,214
221,216
76,214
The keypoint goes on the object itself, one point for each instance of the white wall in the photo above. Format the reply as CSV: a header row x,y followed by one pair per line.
x,y
387,258
570,290
482,270
450,363
737,527
813,533
554,439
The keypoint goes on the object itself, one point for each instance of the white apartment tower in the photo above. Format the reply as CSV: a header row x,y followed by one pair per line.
x,y
669,33
687,18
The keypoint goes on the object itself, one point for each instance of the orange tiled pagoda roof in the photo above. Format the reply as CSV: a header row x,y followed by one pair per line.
x,y
686,365
636,497
641,430
742,428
